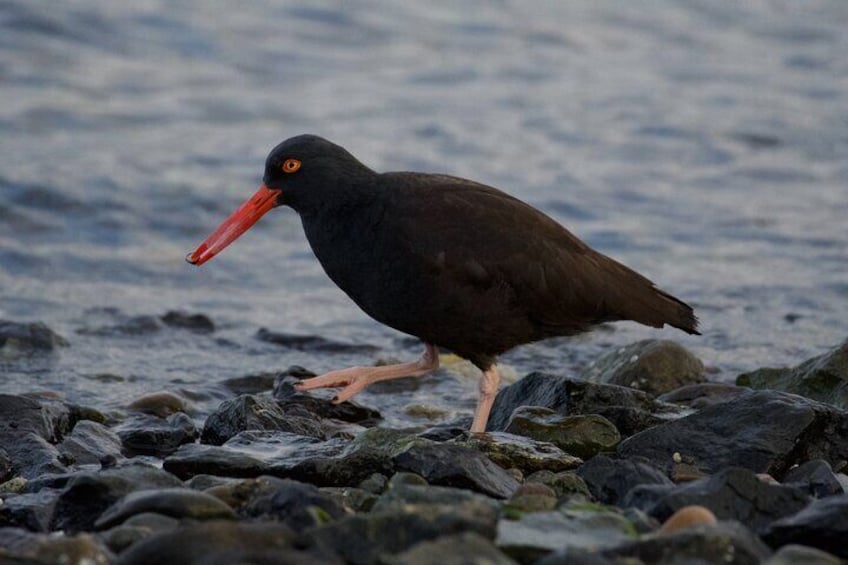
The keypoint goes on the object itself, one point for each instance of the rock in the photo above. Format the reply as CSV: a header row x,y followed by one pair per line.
x,y
406,490
173,502
609,480
125,327
540,533
89,442
33,511
731,494
823,378
531,497
135,529
197,323
313,343
725,542
793,554
19,414
20,339
31,455
363,538
567,485
348,411
456,466
688,517
376,483
653,365
160,404
143,434
249,412
221,543
699,396
515,451
628,409
352,499
21,547
582,435
299,505
467,548
823,525
743,432
816,478
88,494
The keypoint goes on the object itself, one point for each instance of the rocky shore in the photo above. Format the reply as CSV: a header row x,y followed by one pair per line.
x,y
640,460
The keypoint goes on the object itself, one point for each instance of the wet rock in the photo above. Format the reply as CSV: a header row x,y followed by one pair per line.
x,y
582,435
609,480
376,483
352,499
725,542
314,343
531,497
823,525
701,395
221,543
20,414
628,409
300,506
823,378
32,511
173,502
193,459
346,411
88,494
731,494
143,434
743,433
515,451
467,548
363,538
20,546
31,455
251,384
198,323
567,485
249,412
652,365
89,442
126,327
136,528
537,534
161,404
21,339
407,489
793,554
457,466
816,478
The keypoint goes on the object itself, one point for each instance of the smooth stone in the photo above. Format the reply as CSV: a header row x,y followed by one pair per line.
x,y
793,554
365,538
816,478
566,484
173,502
19,546
143,434
823,378
510,450
88,494
581,435
300,506
31,455
655,366
628,409
764,431
89,442
531,497
135,529
731,494
823,525
197,323
688,517
252,412
33,510
699,396
162,404
23,339
609,480
456,466
467,548
584,527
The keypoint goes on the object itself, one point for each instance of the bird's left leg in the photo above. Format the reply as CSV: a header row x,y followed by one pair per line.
x,y
488,388
355,379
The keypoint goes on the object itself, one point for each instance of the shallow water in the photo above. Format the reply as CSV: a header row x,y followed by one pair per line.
x,y
702,144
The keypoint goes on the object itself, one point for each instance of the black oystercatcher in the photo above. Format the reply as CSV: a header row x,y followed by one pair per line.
x,y
456,263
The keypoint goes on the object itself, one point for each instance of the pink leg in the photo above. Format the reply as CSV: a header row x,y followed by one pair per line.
x,y
355,379
488,388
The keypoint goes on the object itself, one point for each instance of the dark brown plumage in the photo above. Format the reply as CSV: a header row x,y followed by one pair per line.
x,y
458,264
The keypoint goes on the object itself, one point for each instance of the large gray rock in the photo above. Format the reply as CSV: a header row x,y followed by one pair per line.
x,y
250,412
823,524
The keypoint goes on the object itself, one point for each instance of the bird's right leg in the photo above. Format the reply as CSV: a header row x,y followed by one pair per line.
x,y
355,379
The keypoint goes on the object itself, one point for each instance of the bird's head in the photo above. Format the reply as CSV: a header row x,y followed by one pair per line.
x,y
305,172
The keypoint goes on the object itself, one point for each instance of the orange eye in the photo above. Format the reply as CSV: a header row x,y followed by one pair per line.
x,y
290,166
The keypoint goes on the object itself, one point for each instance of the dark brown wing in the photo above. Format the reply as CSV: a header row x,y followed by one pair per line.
x,y
483,238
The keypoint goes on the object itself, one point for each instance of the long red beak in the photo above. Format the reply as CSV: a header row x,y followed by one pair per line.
x,y
239,222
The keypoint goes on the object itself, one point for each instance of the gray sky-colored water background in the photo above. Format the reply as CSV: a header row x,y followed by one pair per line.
x,y
703,143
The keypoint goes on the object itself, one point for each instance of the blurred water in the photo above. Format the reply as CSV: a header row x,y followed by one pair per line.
x,y
702,143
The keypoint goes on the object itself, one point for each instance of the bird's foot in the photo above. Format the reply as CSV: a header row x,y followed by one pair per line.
x,y
356,379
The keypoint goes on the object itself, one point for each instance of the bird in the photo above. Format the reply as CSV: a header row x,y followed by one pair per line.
x,y
458,264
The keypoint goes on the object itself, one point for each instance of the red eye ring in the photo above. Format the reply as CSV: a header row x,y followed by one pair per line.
x,y
290,166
